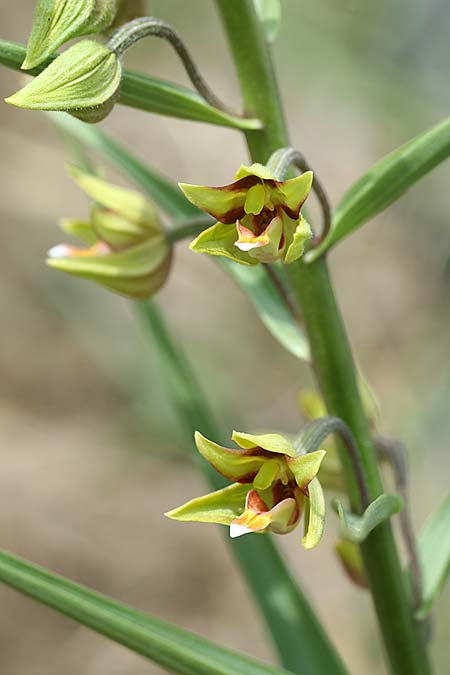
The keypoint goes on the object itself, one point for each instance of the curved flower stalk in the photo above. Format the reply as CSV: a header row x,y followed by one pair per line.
x,y
57,21
127,250
258,216
272,486
84,81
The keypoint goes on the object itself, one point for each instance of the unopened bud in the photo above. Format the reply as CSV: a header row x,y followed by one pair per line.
x,y
57,21
84,81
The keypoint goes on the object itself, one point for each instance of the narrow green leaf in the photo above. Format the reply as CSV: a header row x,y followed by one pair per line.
x,y
434,555
269,13
385,182
165,193
147,93
270,306
171,647
357,528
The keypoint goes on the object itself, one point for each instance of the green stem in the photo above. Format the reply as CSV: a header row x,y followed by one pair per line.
x,y
332,358
300,641
189,227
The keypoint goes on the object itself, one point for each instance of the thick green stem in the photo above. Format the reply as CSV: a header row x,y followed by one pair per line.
x,y
302,645
332,359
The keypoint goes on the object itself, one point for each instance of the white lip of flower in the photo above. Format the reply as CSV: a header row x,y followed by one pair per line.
x,y
238,530
65,251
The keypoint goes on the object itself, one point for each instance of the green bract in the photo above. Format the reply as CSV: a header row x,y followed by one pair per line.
x,y
57,21
127,249
259,217
272,485
84,80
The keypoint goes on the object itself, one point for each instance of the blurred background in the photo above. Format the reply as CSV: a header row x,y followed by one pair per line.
x,y
91,452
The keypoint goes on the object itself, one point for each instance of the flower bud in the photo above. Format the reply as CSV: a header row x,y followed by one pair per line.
x,y
84,81
57,21
127,252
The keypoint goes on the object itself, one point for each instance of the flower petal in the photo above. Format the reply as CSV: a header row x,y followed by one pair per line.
x,y
219,239
79,228
265,247
271,442
131,205
224,203
296,249
254,201
257,170
282,518
305,468
220,507
291,194
236,465
314,515
137,272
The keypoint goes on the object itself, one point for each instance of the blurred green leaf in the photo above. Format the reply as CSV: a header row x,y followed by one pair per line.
x,y
357,528
171,647
270,306
434,555
165,193
385,182
147,93
269,12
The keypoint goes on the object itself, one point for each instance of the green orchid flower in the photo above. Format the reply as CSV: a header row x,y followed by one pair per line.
x,y
127,250
272,487
258,216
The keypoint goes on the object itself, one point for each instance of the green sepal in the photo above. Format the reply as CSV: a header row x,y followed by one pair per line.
x,y
314,515
84,80
131,205
293,192
306,467
272,442
137,272
80,229
116,230
258,170
57,21
350,557
226,204
220,507
302,234
356,528
219,239
236,465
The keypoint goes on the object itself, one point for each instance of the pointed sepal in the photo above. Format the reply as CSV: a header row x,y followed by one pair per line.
x,y
221,507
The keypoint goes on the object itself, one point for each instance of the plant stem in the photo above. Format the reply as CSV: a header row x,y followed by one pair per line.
x,y
332,358
142,27
301,643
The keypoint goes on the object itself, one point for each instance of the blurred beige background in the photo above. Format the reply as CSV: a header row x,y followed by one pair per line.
x,y
90,452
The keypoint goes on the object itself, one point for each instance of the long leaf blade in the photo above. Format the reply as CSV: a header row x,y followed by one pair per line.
x,y
434,555
165,193
270,306
385,182
147,93
173,648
